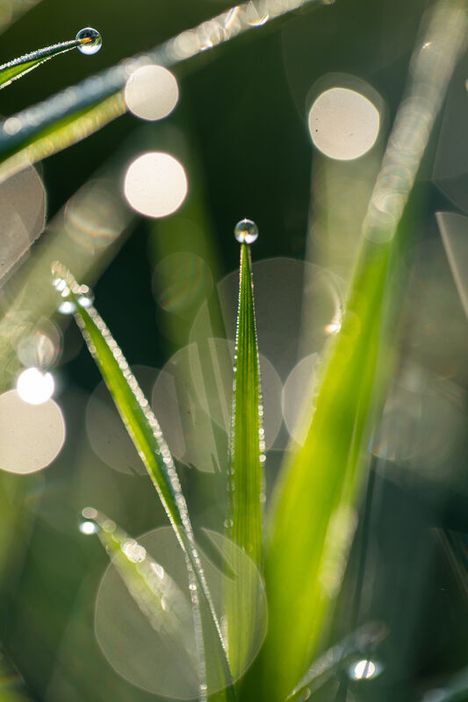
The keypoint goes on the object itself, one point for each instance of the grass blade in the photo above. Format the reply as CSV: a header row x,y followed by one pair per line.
x,y
247,442
158,596
18,67
19,133
314,516
246,484
146,434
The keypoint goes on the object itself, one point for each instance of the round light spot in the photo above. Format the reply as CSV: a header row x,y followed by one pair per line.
x,y
34,386
31,436
343,123
155,650
364,669
88,528
155,184
151,92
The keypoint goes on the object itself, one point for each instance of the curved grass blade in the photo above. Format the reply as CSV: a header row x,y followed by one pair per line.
x,y
314,516
18,67
147,436
245,483
18,133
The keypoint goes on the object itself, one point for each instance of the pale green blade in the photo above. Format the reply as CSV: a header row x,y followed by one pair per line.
x,y
165,606
145,432
314,512
19,133
18,67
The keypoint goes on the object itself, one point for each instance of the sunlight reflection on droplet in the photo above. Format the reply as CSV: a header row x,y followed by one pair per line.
x,y
151,92
364,669
34,386
343,123
155,184
155,651
31,436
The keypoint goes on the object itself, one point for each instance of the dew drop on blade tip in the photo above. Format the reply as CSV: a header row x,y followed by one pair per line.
x,y
91,40
246,231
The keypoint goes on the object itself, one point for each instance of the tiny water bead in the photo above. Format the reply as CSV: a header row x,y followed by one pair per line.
x,y
246,231
92,41
80,296
88,528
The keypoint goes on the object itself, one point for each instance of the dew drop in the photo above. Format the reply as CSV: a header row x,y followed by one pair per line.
x,y
67,307
92,40
246,231
88,528
85,296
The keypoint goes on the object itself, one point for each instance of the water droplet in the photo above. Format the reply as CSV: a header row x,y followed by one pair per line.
x,y
246,231
67,307
85,297
92,40
364,669
88,528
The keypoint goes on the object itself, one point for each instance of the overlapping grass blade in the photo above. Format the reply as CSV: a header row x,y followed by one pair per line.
x,y
158,596
18,67
314,512
246,484
19,133
146,434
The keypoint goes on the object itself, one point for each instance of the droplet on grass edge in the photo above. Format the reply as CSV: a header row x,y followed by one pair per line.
x,y
246,231
91,41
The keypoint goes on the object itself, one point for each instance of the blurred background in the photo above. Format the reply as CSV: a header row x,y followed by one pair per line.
x,y
285,125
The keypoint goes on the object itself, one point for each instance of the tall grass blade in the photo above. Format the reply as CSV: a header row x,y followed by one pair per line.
x,y
247,435
18,67
19,132
245,484
314,512
146,434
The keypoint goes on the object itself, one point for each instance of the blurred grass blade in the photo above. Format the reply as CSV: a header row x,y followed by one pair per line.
x,y
339,656
18,67
157,595
246,485
313,519
146,434
19,133
63,133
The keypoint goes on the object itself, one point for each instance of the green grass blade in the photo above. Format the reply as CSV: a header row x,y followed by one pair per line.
x,y
18,67
245,484
19,132
146,434
314,512
247,438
